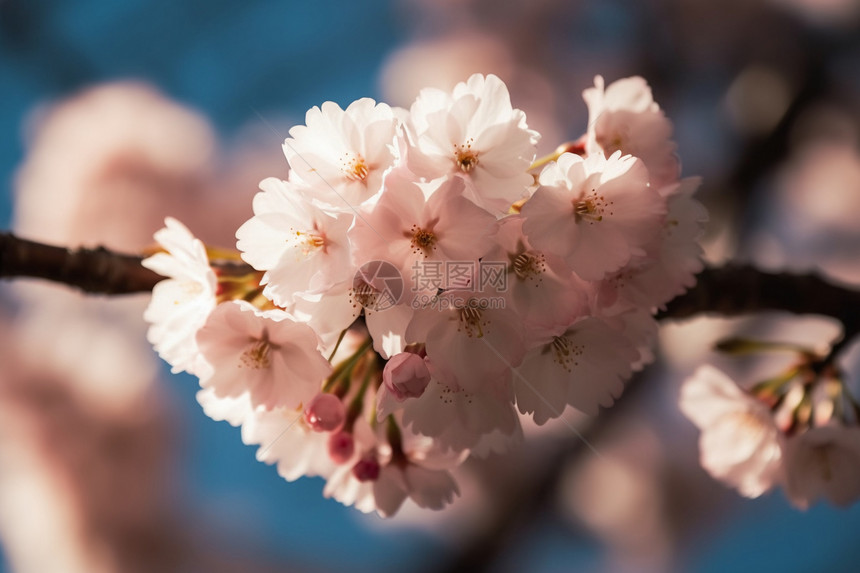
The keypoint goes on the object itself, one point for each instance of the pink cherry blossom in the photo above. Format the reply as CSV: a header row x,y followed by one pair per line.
x,y
264,353
381,479
673,259
328,313
595,213
538,286
428,488
409,230
585,366
382,292
457,419
624,117
469,344
379,250
388,328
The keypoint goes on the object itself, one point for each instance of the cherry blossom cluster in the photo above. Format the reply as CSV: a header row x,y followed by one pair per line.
x,y
421,281
799,429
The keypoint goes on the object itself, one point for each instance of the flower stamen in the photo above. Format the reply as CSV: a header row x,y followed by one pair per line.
x,y
354,167
470,320
423,240
465,157
526,266
591,208
365,295
257,355
566,353
311,240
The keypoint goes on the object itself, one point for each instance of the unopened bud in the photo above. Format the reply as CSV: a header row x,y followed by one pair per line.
x,y
325,413
406,376
341,446
367,469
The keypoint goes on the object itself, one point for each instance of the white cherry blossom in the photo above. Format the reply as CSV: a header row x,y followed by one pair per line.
x,y
180,304
739,444
287,441
341,155
476,134
303,249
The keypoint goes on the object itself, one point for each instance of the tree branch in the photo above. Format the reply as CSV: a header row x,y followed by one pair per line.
x,y
729,291
96,271
733,290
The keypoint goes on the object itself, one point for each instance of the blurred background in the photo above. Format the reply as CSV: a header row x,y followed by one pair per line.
x,y
115,114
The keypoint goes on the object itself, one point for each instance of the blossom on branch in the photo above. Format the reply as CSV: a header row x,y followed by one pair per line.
x,y
799,430
450,280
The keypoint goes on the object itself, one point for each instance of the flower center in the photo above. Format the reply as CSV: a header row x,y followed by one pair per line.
x,y
751,424
465,157
257,355
566,353
423,240
315,241
470,321
310,240
447,395
365,295
189,289
526,266
591,208
354,166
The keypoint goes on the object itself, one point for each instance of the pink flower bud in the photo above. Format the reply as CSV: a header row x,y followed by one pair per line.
x,y
367,469
341,447
325,413
406,376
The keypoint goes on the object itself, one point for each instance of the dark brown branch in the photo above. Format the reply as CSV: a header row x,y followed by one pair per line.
x,y
97,271
739,289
